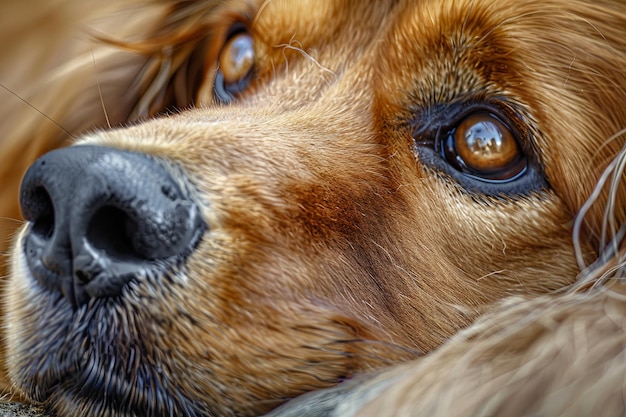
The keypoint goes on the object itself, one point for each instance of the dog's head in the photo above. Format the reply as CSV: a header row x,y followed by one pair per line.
x,y
355,182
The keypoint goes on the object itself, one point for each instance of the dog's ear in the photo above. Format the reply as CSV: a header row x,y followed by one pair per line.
x,y
176,49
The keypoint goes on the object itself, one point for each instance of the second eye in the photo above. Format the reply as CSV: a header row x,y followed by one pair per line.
x,y
235,67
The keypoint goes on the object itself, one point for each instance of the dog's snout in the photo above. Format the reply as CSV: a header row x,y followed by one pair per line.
x,y
100,217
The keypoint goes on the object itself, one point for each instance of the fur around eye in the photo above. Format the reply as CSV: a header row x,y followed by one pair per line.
x,y
235,67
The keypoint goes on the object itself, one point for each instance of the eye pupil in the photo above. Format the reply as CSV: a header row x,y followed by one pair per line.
x,y
484,147
237,58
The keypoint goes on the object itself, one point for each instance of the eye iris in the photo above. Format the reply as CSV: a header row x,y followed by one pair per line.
x,y
237,58
484,143
484,146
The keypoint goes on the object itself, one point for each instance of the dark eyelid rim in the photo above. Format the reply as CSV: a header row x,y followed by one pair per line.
x,y
235,28
445,117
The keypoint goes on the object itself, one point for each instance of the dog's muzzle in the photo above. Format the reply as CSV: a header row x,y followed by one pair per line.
x,y
100,216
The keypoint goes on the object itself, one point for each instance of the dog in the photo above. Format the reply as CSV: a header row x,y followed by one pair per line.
x,y
265,199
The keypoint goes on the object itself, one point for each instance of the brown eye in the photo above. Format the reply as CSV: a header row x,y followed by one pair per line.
x,y
484,147
235,65
237,58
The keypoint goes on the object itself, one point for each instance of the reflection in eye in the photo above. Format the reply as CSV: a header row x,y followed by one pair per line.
x,y
484,147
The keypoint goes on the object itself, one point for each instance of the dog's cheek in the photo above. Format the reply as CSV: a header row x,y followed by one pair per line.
x,y
492,246
507,241
263,346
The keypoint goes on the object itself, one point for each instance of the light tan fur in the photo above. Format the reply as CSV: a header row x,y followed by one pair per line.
x,y
333,248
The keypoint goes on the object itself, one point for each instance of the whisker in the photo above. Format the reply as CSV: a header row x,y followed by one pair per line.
x,y
306,55
611,234
37,110
10,220
104,109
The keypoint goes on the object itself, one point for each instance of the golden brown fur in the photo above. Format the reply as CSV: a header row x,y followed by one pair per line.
x,y
334,246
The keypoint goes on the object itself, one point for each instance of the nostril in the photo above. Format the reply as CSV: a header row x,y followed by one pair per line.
x,y
169,192
82,276
40,213
111,230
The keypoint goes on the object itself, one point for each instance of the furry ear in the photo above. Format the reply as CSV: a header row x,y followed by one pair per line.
x,y
176,53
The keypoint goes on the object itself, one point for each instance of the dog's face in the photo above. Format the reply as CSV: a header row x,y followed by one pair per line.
x,y
356,182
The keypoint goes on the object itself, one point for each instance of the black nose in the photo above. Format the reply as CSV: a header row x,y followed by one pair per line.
x,y
100,217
